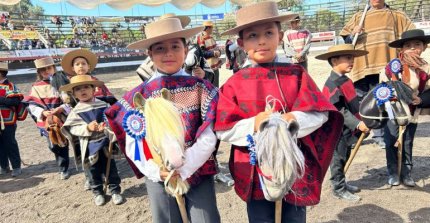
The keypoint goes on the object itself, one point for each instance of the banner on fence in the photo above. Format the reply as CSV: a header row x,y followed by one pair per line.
x,y
323,36
19,34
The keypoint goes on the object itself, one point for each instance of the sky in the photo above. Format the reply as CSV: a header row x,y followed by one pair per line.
x,y
65,8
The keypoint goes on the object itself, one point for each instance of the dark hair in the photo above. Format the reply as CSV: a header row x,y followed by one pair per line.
x,y
73,89
182,39
3,73
278,24
73,61
207,27
329,59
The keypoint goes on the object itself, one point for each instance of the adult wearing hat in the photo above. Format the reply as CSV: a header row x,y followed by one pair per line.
x,y
196,98
210,49
11,110
413,71
382,25
45,100
297,42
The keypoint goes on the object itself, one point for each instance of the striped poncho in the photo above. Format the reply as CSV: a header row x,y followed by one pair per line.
x,y
381,26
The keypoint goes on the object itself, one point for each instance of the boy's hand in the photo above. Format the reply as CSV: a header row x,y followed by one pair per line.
x,y
416,100
260,117
217,53
47,113
198,72
413,59
362,127
101,127
357,29
92,126
57,111
164,173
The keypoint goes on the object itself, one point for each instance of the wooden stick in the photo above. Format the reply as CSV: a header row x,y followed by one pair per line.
x,y
181,204
399,145
354,152
278,211
354,41
108,167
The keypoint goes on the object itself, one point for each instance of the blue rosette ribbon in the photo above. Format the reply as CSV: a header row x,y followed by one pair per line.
x,y
383,93
134,125
396,67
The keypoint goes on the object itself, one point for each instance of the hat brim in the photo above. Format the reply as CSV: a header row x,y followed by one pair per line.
x,y
355,53
280,18
399,43
69,87
66,61
146,43
185,20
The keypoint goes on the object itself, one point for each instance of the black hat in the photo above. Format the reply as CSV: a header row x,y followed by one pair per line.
x,y
414,34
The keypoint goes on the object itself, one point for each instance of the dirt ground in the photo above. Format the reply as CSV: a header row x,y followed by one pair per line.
x,y
38,195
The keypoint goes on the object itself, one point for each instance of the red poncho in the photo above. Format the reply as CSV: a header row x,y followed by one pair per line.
x,y
244,96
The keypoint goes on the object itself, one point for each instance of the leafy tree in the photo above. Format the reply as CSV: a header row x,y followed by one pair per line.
x,y
286,4
25,7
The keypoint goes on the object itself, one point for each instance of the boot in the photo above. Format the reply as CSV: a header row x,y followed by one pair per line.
x,y
352,188
346,195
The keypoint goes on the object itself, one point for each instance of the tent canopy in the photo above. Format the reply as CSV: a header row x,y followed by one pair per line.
x,y
124,5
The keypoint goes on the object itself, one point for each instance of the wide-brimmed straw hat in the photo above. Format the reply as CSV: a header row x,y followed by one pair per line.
x,y
164,29
79,80
342,49
4,66
258,13
208,23
413,34
66,62
185,20
44,62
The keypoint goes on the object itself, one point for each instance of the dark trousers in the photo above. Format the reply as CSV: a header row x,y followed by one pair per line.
x,y
98,170
200,203
9,150
390,138
340,157
216,78
263,211
61,156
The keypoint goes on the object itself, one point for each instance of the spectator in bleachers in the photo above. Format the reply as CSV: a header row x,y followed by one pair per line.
x,y
105,36
58,21
13,45
26,28
114,32
66,42
3,21
72,21
27,44
81,33
94,33
20,45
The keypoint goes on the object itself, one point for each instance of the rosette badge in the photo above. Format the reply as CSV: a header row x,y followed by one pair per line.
x,y
135,127
383,93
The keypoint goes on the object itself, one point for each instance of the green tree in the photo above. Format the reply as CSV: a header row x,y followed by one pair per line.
x,y
326,20
285,4
25,8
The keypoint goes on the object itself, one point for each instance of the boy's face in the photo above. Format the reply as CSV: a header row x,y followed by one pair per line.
x,y
295,24
343,64
85,93
416,46
169,55
80,66
261,41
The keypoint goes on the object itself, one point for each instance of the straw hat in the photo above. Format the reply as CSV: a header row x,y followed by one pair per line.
x,y
164,29
66,62
208,23
44,62
185,20
258,13
414,34
4,66
342,49
79,80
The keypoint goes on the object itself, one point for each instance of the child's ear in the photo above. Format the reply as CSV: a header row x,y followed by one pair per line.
x,y
149,52
281,36
240,42
186,50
